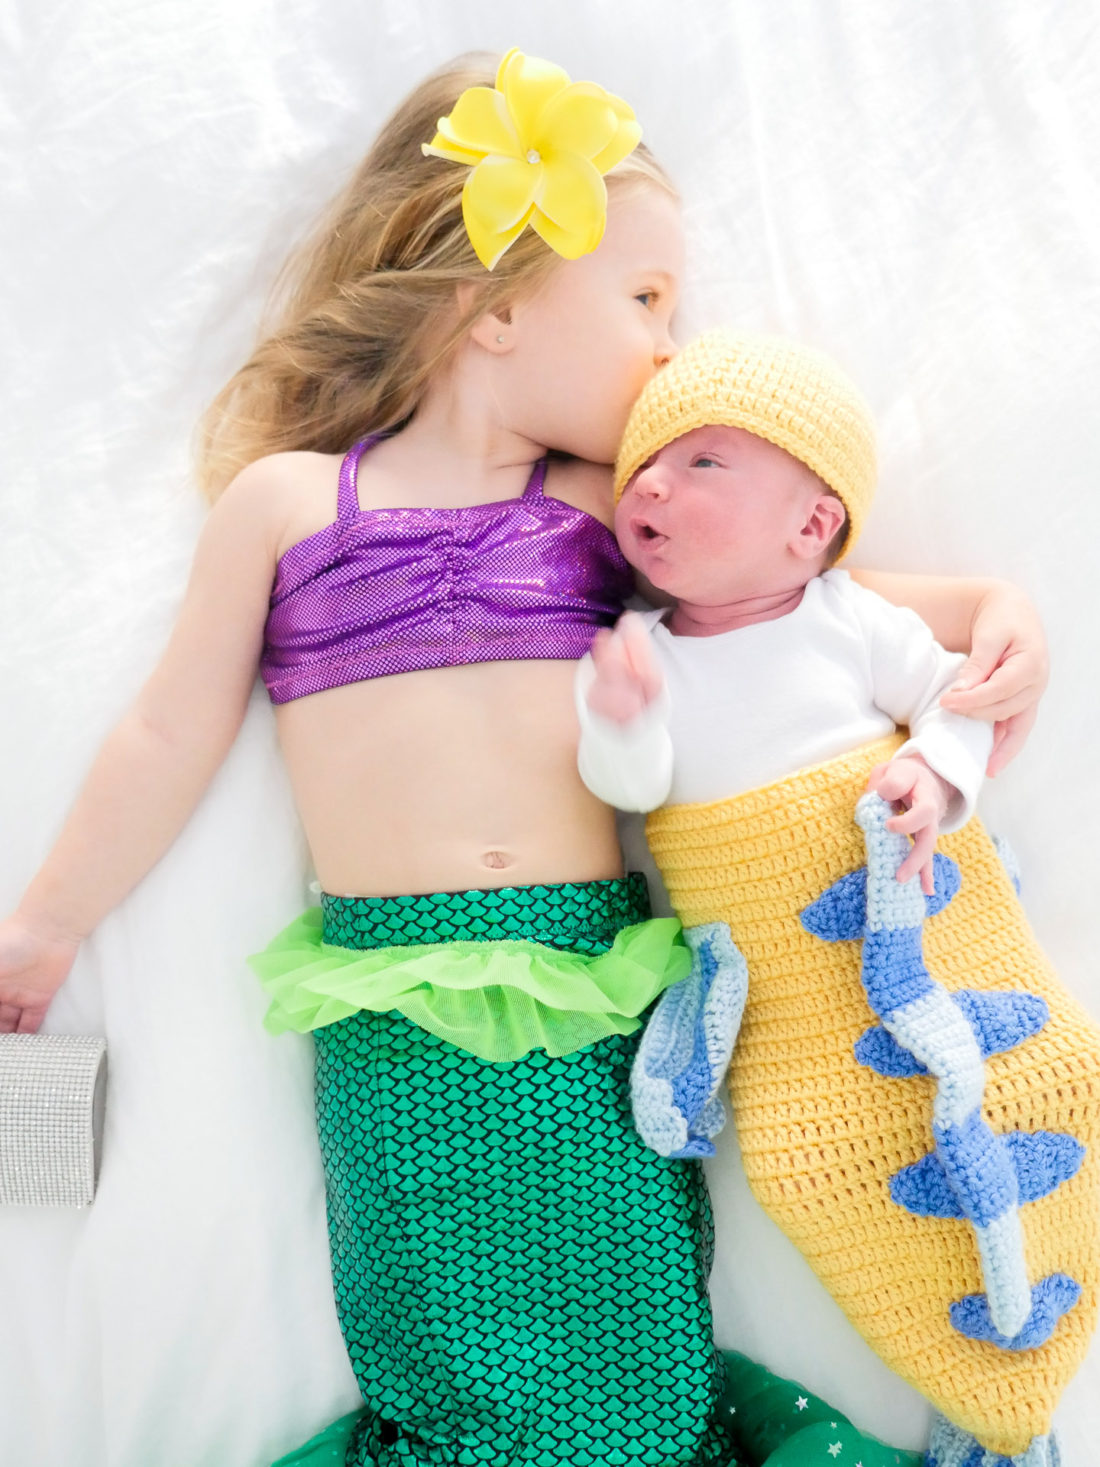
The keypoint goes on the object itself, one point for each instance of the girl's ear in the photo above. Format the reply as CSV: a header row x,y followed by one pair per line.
x,y
492,329
825,515
494,333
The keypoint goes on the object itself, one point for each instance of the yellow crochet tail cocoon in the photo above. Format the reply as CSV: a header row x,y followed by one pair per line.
x,y
821,1134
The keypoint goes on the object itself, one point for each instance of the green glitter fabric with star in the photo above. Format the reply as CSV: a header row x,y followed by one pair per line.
x,y
778,1423
518,1278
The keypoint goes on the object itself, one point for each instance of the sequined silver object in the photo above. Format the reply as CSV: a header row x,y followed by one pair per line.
x,y
51,1118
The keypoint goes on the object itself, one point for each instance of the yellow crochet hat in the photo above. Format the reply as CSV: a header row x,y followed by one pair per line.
x,y
792,395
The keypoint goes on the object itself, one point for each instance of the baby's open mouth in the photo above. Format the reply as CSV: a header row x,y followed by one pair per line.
x,y
645,531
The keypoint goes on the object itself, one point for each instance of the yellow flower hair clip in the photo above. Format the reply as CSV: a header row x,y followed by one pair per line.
x,y
538,146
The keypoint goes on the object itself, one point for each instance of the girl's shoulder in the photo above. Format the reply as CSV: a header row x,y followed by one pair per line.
x,y
585,485
286,497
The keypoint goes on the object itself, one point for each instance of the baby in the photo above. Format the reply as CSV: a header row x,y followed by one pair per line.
x,y
746,470
750,717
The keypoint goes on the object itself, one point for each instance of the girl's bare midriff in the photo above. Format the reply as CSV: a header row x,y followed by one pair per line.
x,y
446,780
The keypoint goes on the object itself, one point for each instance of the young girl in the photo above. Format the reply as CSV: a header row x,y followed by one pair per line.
x,y
518,1279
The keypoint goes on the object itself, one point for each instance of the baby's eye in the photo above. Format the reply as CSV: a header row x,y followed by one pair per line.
x,y
648,298
704,461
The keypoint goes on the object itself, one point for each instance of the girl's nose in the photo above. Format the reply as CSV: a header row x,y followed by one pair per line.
x,y
664,350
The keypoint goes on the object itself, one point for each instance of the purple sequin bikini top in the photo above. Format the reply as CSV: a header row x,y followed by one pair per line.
x,y
381,591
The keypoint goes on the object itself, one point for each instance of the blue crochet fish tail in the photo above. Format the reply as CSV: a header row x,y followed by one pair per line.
x,y
924,1018
685,1050
970,1173
950,1446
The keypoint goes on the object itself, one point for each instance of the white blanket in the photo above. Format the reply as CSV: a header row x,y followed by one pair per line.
x,y
912,186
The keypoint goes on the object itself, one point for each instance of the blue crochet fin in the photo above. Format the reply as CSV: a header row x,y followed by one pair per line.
x,y
693,1084
951,1446
923,1189
840,913
948,879
1008,860
880,1051
1042,1160
685,1049
671,1034
1000,1021
1050,1299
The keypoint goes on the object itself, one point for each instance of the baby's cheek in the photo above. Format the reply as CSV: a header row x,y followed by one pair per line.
x,y
620,526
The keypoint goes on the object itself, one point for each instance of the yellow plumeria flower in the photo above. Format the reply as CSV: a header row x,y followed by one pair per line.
x,y
538,145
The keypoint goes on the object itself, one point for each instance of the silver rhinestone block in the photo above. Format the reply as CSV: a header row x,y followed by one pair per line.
x,y
51,1118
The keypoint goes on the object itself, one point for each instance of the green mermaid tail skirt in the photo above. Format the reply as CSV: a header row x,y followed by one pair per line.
x,y
775,1422
518,1278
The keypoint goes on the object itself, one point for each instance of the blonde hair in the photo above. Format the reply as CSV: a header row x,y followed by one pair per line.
x,y
366,309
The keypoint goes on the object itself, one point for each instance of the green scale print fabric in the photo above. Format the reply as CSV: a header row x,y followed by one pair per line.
x,y
576,916
519,1280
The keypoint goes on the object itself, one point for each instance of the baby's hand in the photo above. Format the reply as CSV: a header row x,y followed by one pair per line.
x,y
1003,678
910,782
628,677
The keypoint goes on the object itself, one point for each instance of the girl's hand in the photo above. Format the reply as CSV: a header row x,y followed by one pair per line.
x,y
910,782
1004,677
33,966
628,677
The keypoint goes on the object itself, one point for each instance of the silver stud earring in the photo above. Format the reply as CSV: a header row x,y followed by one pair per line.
x,y
500,340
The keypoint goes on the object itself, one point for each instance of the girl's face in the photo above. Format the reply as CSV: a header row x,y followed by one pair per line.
x,y
587,342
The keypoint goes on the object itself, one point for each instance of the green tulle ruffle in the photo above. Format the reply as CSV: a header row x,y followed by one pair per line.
x,y
498,1000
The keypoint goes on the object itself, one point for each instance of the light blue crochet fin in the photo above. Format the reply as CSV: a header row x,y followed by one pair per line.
x,y
1008,860
675,1084
950,1446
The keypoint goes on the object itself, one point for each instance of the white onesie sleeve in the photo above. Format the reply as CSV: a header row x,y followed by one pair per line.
x,y
910,672
627,765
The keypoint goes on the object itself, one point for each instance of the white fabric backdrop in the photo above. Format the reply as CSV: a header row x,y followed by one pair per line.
x,y
912,186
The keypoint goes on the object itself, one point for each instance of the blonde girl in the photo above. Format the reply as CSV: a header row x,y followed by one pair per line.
x,y
409,538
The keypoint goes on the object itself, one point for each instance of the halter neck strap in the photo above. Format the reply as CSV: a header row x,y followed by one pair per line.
x,y
536,481
347,495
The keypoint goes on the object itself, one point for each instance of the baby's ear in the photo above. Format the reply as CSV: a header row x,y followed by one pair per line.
x,y
825,517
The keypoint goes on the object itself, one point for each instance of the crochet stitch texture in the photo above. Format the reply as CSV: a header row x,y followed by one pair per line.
x,y
825,1132
790,394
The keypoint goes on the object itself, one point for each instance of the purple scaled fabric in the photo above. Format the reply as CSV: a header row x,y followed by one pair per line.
x,y
395,590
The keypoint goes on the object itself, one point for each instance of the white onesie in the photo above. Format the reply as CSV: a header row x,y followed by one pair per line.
x,y
747,707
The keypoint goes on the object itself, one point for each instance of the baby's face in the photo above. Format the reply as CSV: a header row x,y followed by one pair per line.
x,y
711,516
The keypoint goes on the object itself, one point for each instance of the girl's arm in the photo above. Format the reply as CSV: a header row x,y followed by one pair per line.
x,y
998,626
156,763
